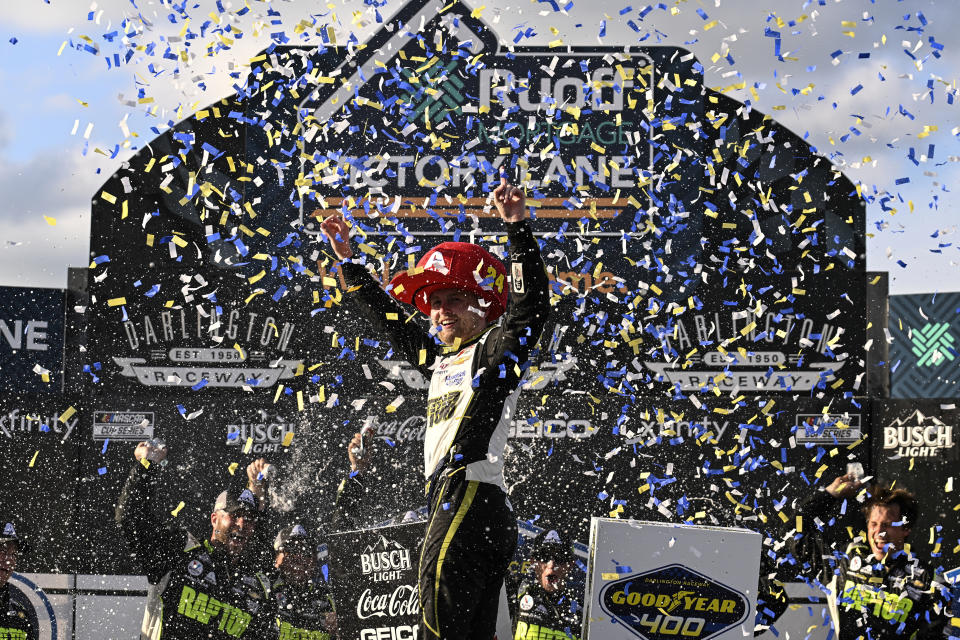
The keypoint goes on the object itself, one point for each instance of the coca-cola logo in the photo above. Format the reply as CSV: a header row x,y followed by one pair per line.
x,y
403,601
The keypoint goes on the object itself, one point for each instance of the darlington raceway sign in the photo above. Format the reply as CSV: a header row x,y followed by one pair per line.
x,y
692,242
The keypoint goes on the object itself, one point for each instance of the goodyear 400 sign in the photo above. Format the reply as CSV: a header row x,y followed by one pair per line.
x,y
674,602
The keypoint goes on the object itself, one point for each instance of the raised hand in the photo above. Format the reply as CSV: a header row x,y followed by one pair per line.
x,y
844,486
510,202
337,231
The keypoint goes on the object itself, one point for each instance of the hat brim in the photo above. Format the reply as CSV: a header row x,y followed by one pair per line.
x,y
416,290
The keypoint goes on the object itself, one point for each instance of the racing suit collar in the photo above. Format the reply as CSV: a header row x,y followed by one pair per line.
x,y
450,349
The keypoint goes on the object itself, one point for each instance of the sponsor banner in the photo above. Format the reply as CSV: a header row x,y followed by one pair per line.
x,y
654,581
925,352
49,614
206,336
915,444
123,425
31,339
622,190
40,441
374,581
829,428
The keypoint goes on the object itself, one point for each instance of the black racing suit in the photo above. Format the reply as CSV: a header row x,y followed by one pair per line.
x,y
17,621
195,592
868,598
546,616
302,610
471,532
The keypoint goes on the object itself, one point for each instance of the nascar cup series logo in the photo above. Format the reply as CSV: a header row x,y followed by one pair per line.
x,y
673,601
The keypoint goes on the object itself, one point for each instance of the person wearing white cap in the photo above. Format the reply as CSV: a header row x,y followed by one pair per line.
x,y
475,355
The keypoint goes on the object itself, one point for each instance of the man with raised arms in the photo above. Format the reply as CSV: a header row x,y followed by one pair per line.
x,y
475,365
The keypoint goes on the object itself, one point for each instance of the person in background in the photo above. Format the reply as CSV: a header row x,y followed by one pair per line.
x,y
876,589
305,609
201,589
548,603
17,620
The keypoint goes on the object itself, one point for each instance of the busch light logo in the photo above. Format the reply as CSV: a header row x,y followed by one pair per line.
x,y
385,561
673,601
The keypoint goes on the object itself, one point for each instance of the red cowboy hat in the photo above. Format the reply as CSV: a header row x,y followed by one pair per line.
x,y
454,265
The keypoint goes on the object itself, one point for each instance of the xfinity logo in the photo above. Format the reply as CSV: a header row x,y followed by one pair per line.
x,y
15,421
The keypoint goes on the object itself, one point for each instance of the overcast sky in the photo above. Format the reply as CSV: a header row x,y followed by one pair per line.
x,y
67,115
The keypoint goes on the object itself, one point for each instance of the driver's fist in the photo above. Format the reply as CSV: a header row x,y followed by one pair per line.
x,y
151,450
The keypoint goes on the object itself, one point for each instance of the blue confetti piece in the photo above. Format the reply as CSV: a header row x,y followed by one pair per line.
x,y
102,470
105,443
200,385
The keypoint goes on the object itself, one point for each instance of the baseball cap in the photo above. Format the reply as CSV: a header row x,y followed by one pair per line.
x,y
294,538
232,501
550,544
454,265
9,534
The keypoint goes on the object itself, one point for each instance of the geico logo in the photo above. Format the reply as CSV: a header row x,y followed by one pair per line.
x,y
663,601
553,429
396,560
403,632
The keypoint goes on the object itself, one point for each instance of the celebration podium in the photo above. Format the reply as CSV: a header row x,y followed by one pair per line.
x,y
658,581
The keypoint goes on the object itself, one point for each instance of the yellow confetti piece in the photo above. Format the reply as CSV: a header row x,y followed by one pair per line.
x,y
248,446
609,576
112,199
176,511
116,302
287,438
299,400
34,458
239,349
66,415
232,468
799,524
276,396
50,221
